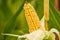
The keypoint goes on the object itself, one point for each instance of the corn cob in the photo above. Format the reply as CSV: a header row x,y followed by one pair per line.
x,y
31,17
46,13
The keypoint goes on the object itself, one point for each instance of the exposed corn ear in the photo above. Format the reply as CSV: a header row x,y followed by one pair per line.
x,y
31,17
46,13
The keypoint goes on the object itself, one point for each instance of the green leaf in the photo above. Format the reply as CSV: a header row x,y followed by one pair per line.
x,y
54,21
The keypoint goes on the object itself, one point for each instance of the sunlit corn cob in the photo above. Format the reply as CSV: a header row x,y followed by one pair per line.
x,y
31,17
46,13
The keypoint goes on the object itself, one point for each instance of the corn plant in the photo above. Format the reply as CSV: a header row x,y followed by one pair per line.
x,y
16,24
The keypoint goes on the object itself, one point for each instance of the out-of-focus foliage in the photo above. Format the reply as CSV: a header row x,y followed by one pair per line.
x,y
54,21
12,18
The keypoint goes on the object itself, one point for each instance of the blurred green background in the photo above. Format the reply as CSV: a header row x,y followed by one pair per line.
x,y
12,18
